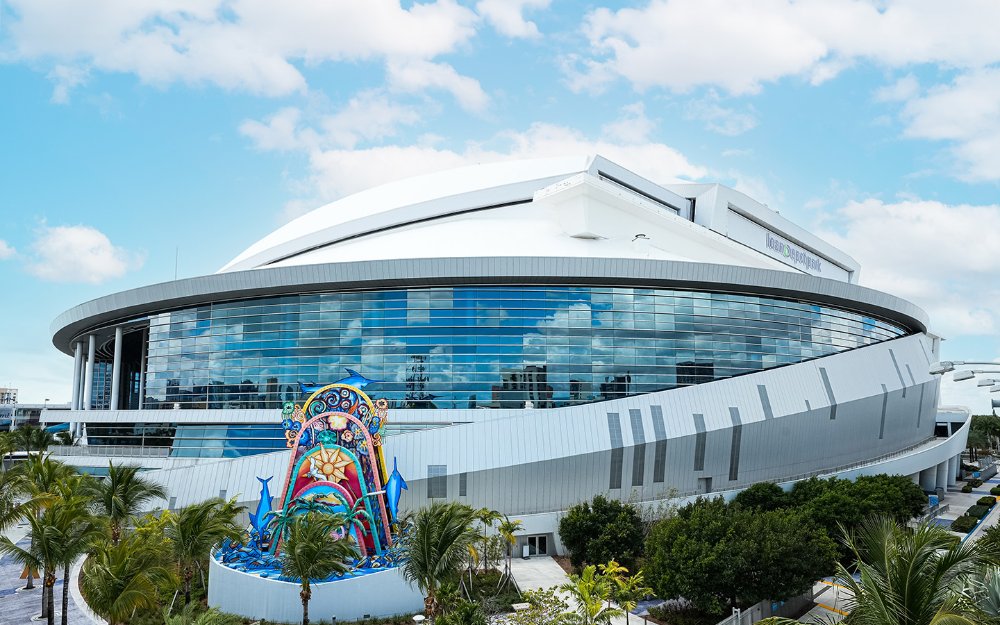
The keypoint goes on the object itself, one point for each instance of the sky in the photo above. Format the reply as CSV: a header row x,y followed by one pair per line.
x,y
143,140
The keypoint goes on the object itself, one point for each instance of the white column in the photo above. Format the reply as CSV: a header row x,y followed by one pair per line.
x,y
88,380
942,475
142,368
952,472
116,369
928,479
77,365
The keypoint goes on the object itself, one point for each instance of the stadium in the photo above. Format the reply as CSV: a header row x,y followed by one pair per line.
x,y
542,331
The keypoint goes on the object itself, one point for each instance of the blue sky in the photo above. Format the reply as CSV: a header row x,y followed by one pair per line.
x,y
132,133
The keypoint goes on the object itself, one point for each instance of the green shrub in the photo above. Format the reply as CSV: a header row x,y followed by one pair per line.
x,y
677,615
601,530
967,488
995,491
974,482
977,511
987,501
963,524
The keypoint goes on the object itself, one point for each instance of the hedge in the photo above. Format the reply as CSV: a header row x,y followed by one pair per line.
x,y
963,524
967,488
989,502
977,511
995,491
974,482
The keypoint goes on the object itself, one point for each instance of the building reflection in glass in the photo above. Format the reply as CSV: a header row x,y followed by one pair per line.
x,y
478,346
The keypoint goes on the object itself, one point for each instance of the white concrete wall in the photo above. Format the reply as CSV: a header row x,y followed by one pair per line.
x,y
385,593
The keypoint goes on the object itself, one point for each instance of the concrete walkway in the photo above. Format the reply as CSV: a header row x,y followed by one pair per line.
x,y
537,573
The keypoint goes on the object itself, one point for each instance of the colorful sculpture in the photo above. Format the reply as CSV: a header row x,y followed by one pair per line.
x,y
337,467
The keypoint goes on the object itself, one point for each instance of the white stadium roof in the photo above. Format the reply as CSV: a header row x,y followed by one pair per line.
x,y
581,206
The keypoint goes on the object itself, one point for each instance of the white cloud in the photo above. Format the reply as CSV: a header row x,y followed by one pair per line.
x,y
718,118
338,171
632,127
953,276
507,16
966,112
900,91
6,251
249,45
738,46
65,77
419,75
368,116
79,254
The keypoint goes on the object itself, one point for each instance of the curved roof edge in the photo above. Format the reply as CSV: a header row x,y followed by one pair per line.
x,y
127,305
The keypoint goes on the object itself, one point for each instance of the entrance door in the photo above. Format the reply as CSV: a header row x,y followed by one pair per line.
x,y
538,545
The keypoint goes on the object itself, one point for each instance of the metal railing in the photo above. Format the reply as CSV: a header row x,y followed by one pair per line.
x,y
110,451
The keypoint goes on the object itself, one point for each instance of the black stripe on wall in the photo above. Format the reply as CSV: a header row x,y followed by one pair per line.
x,y
699,442
829,392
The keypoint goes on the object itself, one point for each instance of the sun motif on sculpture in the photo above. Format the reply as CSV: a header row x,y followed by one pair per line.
x,y
328,465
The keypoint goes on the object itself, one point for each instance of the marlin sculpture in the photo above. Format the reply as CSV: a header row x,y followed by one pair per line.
x,y
259,519
394,488
355,379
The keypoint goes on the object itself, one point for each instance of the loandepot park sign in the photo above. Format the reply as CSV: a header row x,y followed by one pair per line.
x,y
793,254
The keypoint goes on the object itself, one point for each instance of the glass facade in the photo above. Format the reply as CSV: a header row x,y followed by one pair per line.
x,y
482,346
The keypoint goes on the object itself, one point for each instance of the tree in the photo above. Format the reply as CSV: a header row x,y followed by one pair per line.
x,y
508,530
8,445
195,529
764,496
40,554
631,590
312,552
909,576
436,545
984,593
591,592
120,578
989,544
33,438
601,530
79,529
123,494
719,556
488,518
43,477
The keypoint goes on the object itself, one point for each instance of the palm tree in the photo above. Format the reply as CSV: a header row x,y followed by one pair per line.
x,y
65,438
629,591
33,438
908,576
43,552
592,594
123,494
436,546
195,529
8,445
78,527
13,506
312,552
121,578
488,518
43,475
984,593
508,530
42,479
